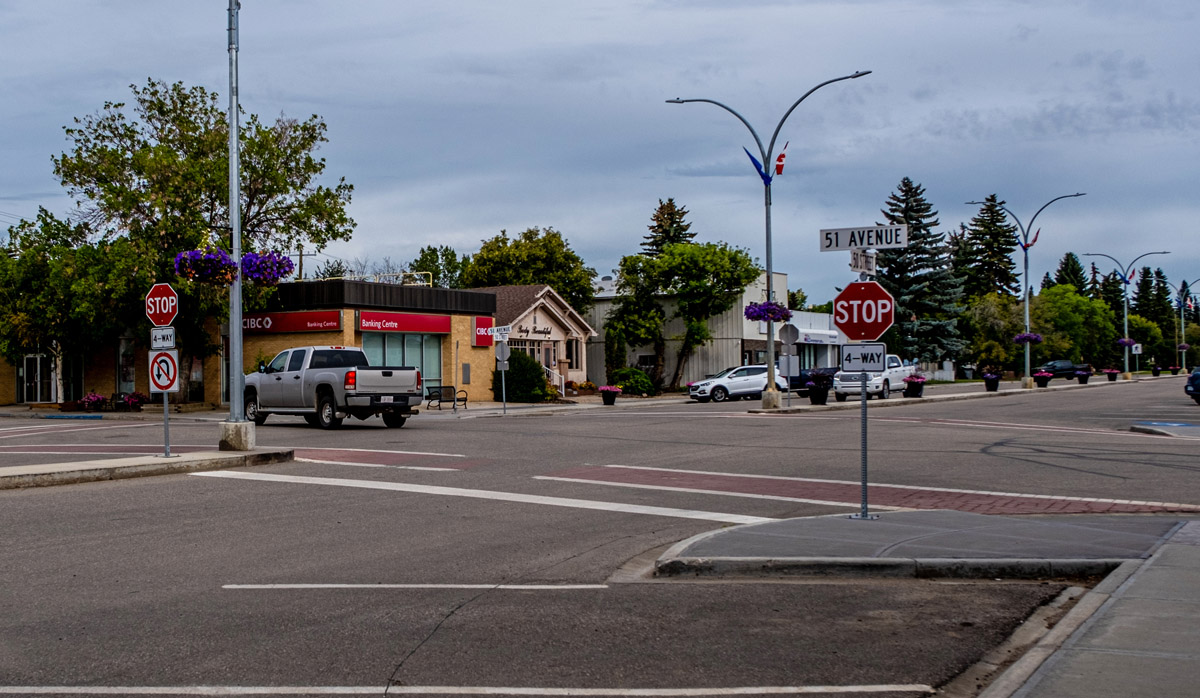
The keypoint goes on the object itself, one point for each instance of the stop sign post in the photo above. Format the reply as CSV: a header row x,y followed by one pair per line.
x,y
162,305
864,311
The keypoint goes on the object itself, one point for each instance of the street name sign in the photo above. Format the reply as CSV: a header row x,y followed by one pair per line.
x,y
862,261
880,237
864,311
864,357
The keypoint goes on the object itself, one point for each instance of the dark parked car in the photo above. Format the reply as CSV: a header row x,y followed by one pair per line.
x,y
1193,385
1063,368
823,377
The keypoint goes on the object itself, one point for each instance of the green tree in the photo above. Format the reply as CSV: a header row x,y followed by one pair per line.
x,y
524,381
996,318
332,269
797,300
637,317
921,280
986,255
536,256
444,265
1072,326
667,227
1070,271
155,173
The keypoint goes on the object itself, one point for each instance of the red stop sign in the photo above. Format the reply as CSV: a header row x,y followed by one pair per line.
x,y
162,304
864,310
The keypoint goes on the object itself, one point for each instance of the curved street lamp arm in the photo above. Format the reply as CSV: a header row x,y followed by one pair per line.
x,y
762,153
775,136
1119,270
1043,208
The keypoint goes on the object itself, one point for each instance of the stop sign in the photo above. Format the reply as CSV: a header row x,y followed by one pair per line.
x,y
864,310
162,304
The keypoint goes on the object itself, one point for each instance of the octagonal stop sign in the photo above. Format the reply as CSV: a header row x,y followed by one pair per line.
x,y
864,311
162,304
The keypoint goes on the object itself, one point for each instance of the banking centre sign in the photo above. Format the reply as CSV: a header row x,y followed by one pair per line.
x,y
299,321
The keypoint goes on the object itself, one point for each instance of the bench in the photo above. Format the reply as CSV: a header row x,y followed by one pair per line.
x,y
437,394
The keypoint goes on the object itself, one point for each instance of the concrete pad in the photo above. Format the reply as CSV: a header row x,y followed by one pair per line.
x,y
1166,583
1105,674
135,466
1145,625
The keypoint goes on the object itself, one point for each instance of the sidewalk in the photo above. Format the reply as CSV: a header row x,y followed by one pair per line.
x,y
1137,633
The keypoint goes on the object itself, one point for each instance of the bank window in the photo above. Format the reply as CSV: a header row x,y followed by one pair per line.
x,y
421,351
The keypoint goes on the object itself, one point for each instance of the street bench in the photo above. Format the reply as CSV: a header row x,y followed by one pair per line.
x,y
437,394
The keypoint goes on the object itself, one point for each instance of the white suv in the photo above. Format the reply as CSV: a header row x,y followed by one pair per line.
x,y
734,383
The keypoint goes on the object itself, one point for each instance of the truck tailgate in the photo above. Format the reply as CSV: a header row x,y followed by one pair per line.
x,y
387,379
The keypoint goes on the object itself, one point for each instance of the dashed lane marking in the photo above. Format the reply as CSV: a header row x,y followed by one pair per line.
x,y
513,587
488,494
457,690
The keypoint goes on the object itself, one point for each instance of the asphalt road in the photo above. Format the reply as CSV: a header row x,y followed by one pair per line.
x,y
374,561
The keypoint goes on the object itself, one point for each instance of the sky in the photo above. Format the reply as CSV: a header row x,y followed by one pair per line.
x,y
455,121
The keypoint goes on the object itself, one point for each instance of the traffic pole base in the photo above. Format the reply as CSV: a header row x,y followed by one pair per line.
x,y
863,517
772,399
237,436
1027,383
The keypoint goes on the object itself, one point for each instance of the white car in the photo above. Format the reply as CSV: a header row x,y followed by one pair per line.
x,y
879,384
734,383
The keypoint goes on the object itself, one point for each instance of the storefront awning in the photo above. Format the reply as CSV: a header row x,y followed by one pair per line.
x,y
818,337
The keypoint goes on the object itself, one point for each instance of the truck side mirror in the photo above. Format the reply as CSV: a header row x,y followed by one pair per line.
x,y
262,366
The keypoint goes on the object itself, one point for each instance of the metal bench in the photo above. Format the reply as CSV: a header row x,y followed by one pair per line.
x,y
437,394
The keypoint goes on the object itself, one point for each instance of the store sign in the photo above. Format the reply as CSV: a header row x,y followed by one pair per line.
x,y
480,334
381,321
302,321
534,331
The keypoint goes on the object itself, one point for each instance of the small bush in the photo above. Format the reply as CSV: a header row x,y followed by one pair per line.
x,y
524,381
633,381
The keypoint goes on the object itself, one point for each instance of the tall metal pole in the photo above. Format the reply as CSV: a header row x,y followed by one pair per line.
x,y
771,398
1124,274
1026,380
237,380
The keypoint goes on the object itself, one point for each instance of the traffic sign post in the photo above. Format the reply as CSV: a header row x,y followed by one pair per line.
x,y
788,336
162,305
864,311
164,378
502,354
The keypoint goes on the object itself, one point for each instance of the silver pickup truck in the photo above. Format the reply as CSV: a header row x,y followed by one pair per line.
x,y
327,384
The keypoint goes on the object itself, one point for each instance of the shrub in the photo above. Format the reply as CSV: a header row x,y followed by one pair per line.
x,y
525,381
633,381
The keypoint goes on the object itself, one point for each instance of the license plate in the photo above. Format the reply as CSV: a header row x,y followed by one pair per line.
x,y
385,398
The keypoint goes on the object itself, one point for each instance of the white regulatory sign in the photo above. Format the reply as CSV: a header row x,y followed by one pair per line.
x,y
864,357
162,338
880,237
164,371
862,261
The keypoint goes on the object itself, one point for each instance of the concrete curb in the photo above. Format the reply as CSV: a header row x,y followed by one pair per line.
x,y
920,568
50,474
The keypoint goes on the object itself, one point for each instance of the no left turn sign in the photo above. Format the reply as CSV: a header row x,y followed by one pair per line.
x,y
164,371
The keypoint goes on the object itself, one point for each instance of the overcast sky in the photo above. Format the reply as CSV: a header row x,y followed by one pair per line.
x,y
454,120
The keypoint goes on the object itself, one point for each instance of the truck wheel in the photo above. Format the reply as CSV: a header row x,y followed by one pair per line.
x,y
251,410
719,394
840,397
885,391
393,420
327,413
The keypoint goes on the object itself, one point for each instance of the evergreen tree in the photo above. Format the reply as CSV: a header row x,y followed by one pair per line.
x,y
1070,271
921,280
797,300
1112,292
1048,282
667,226
991,241
1092,288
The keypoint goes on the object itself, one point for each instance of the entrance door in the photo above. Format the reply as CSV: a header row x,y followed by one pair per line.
x,y
38,379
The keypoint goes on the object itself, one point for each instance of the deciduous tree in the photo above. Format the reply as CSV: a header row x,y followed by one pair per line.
x,y
536,256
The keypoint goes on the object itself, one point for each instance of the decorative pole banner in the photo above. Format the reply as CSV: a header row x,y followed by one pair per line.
x,y
1035,237
766,178
779,160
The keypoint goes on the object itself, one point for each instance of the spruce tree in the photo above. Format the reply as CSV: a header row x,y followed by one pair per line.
x,y
1048,282
667,226
1092,288
1070,271
920,278
992,240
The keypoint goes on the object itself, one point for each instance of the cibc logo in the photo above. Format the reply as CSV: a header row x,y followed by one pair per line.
x,y
256,323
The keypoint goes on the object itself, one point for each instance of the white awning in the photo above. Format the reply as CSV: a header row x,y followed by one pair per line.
x,y
818,337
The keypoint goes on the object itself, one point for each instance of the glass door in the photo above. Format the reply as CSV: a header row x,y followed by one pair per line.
x,y
38,379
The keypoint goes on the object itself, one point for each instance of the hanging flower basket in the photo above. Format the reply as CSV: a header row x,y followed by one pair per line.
x,y
1028,338
210,265
768,311
1126,342
1184,347
267,269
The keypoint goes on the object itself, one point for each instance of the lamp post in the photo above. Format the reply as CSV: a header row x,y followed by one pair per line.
x,y
1124,274
1182,294
771,398
1027,381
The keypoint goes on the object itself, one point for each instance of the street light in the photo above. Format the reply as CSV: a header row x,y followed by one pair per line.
x,y
1182,294
771,397
1027,381
1124,274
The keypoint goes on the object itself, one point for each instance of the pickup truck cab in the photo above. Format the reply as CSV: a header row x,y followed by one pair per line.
x,y
326,384
1062,368
879,383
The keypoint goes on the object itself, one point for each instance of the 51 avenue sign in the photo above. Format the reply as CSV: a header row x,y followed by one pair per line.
x,y
879,237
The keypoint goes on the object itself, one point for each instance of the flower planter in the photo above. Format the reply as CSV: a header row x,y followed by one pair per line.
x,y
1083,379
1174,372
818,396
914,390
1041,382
991,385
1111,376
609,397
1155,371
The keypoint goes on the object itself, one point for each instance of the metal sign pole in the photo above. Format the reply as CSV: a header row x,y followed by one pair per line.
x,y
863,419
166,428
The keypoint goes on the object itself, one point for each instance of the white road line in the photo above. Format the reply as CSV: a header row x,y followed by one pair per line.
x,y
487,494
903,487
40,430
373,465
456,690
514,587
842,505
380,450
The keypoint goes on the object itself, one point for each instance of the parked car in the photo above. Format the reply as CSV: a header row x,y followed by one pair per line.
x,y
1062,368
821,376
879,383
327,384
733,383
1193,385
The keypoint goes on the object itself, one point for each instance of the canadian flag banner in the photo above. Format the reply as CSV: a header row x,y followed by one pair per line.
x,y
779,160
